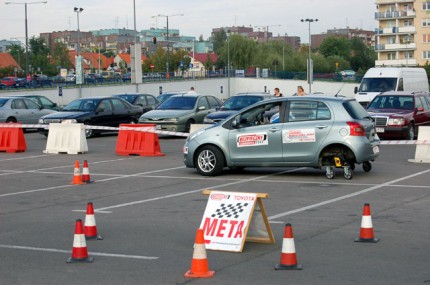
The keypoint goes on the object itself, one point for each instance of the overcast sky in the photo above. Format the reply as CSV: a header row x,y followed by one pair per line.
x,y
282,16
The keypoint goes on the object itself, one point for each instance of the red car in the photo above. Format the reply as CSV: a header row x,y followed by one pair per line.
x,y
399,114
9,81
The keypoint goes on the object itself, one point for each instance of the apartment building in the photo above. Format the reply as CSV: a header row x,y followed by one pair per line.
x,y
403,35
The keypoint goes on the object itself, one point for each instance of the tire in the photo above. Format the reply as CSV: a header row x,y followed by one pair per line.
x,y
347,173
89,133
188,126
11,120
367,166
209,161
329,172
411,132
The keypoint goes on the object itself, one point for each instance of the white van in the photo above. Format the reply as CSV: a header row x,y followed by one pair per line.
x,y
381,79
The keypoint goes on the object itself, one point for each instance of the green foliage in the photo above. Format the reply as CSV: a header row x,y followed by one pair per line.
x,y
336,46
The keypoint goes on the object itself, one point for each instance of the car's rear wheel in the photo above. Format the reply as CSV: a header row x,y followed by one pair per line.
x,y
209,161
367,166
411,132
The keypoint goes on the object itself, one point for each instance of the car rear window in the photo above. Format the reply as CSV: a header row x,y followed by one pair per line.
x,y
2,102
355,109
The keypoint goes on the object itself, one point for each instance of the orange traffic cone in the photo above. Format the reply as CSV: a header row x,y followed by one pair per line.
x,y
79,251
90,228
288,253
86,173
366,230
199,263
77,178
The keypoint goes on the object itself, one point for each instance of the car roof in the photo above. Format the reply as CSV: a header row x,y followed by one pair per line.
x,y
253,94
403,93
131,94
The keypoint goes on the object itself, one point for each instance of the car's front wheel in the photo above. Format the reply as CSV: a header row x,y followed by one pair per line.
x,y
209,161
89,133
411,132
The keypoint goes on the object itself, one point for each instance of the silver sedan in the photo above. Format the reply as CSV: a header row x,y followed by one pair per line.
x,y
22,110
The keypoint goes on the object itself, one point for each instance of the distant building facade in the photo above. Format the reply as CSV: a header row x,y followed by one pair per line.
x,y
403,33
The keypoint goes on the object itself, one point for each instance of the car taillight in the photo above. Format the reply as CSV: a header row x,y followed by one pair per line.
x,y
355,129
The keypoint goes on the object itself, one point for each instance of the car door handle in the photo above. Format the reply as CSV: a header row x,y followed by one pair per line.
x,y
321,126
274,130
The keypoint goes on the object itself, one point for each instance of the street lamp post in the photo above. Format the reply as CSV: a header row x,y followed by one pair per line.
x,y
26,29
78,62
309,65
228,63
167,38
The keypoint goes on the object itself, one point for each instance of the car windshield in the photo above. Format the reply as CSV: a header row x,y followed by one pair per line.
x,y
129,98
355,110
83,105
377,84
239,102
2,102
392,102
178,103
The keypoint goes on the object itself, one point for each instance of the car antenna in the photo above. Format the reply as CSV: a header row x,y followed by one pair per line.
x,y
337,93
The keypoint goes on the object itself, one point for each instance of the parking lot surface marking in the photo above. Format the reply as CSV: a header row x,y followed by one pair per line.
x,y
373,188
69,251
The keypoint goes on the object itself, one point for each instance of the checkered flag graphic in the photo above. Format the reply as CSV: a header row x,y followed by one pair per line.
x,y
229,210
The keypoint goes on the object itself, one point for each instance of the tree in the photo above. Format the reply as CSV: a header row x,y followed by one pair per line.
x,y
39,55
219,40
18,53
336,46
363,57
60,56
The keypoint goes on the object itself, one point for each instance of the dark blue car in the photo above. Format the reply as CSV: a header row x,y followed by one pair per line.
x,y
235,104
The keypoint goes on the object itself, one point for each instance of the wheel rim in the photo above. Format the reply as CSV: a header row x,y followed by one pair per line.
x,y
206,161
88,133
411,133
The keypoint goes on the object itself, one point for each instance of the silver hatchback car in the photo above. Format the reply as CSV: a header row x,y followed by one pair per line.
x,y
312,131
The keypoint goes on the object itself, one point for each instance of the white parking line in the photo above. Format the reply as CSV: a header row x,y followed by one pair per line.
x,y
373,188
69,251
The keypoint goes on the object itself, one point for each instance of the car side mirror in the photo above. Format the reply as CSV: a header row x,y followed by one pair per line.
x,y
54,104
355,90
100,110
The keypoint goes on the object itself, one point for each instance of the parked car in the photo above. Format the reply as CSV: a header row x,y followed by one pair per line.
x,y
9,81
234,104
44,102
147,101
20,82
97,111
164,96
22,110
313,131
177,113
398,114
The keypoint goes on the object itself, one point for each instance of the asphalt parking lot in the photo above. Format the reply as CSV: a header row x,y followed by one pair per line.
x,y
148,210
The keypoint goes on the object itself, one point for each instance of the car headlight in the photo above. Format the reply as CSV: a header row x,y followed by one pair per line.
x,y
69,121
172,120
41,121
208,121
396,121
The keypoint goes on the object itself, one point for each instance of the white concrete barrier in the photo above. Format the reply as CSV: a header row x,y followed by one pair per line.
x,y
422,152
195,127
66,138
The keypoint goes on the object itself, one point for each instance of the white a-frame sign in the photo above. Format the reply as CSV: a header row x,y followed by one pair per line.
x,y
231,218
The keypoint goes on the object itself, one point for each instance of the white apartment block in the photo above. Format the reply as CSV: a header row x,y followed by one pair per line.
x,y
403,36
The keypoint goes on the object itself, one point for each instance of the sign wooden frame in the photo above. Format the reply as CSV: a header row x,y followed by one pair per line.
x,y
257,228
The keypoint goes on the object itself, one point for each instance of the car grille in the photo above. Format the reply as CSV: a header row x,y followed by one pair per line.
x,y
380,121
48,121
